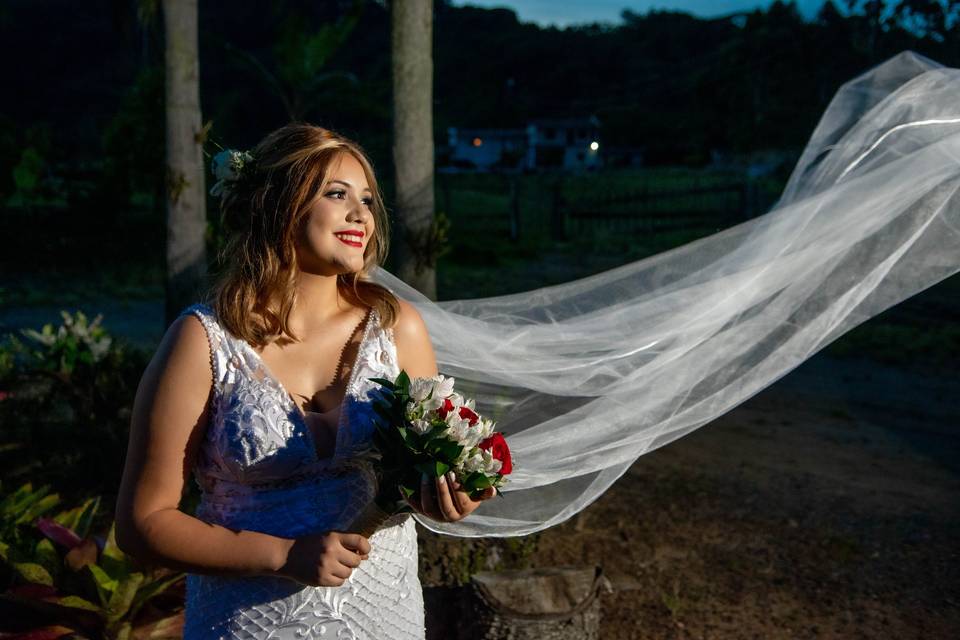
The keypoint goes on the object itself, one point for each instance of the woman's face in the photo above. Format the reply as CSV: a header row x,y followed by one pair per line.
x,y
339,224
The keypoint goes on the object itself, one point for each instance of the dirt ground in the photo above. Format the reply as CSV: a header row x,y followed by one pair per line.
x,y
827,506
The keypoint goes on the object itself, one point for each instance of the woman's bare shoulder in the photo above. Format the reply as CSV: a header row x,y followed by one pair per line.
x,y
414,349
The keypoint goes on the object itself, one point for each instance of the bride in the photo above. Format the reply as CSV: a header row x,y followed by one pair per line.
x,y
261,395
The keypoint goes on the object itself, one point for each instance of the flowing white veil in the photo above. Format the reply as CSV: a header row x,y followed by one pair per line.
x,y
587,376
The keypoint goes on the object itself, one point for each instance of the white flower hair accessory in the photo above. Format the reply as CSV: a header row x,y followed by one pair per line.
x,y
228,167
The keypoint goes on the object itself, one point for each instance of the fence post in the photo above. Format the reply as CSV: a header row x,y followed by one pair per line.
x,y
557,217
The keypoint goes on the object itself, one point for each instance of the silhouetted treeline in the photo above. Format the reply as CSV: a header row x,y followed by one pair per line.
x,y
86,79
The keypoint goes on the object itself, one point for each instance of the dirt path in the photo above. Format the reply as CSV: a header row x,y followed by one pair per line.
x,y
827,506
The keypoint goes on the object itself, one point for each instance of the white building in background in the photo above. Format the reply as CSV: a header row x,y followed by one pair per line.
x,y
571,144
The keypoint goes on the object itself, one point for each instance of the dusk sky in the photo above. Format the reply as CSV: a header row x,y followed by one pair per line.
x,y
564,12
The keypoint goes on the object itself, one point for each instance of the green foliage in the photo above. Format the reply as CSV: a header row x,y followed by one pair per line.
x,y
134,144
75,343
65,409
96,591
26,175
299,76
20,509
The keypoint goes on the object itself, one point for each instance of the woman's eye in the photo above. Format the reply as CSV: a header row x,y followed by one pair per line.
x,y
367,201
339,194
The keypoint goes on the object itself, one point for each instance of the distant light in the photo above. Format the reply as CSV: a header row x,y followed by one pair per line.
x,y
477,142
594,145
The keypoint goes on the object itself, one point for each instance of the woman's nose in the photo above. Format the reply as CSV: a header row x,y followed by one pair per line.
x,y
357,208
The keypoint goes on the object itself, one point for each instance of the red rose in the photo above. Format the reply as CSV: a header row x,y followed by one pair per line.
x,y
467,414
499,450
445,409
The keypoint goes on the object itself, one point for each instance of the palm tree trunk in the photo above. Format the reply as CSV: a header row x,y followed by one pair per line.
x,y
412,44
185,192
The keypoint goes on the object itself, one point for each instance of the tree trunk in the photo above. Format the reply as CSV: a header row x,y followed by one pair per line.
x,y
412,44
185,192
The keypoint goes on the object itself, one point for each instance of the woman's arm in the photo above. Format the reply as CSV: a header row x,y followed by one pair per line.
x,y
169,418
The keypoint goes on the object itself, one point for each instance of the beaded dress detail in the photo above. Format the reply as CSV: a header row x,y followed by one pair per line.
x,y
258,469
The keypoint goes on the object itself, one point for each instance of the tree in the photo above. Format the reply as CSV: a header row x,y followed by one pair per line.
x,y
185,193
412,57
301,54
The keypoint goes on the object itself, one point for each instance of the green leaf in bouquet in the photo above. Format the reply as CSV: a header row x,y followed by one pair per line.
x,y
437,429
434,468
384,382
123,596
105,584
477,481
402,384
33,572
448,450
4,551
407,491
410,438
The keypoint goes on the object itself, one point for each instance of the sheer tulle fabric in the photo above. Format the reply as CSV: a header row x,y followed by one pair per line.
x,y
587,376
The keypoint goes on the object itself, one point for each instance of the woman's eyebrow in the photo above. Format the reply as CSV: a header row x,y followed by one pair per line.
x,y
345,183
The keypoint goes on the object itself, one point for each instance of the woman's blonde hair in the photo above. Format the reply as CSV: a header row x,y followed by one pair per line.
x,y
262,214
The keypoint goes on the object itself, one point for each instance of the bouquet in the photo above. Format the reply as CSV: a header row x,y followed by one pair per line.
x,y
424,427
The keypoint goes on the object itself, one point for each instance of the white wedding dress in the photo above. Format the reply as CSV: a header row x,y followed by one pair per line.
x,y
258,470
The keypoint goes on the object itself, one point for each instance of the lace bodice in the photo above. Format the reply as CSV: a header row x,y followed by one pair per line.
x,y
257,468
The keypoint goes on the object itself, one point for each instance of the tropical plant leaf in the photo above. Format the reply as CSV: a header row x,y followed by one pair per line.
x,y
105,584
152,589
79,603
38,508
110,549
8,503
169,628
33,572
46,555
79,519
122,596
121,631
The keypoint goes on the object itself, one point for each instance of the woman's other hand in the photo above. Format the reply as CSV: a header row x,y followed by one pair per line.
x,y
443,500
324,559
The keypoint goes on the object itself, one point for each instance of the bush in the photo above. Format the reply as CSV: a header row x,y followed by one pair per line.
x,y
66,395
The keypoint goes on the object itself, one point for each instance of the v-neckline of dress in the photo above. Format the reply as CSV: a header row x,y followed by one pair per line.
x,y
291,401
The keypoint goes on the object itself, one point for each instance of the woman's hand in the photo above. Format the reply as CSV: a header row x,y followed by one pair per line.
x,y
443,500
324,559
